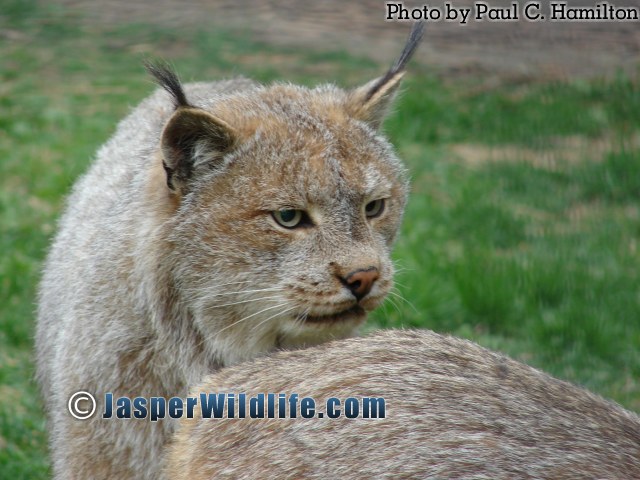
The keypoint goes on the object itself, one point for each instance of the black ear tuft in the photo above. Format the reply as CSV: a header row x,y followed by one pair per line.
x,y
409,49
371,101
167,79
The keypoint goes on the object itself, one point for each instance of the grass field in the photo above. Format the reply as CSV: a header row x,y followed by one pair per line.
x,y
522,231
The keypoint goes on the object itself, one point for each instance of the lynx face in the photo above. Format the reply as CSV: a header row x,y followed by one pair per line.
x,y
283,231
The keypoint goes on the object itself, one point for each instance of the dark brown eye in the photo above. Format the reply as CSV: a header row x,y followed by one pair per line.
x,y
375,208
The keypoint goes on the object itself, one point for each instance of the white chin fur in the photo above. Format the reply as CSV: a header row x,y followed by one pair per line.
x,y
299,334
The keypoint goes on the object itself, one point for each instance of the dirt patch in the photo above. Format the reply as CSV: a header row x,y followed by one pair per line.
x,y
560,152
494,51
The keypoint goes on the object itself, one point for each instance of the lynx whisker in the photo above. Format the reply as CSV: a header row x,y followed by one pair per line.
x,y
278,314
398,295
242,302
243,319
300,319
393,303
219,285
203,284
243,292
400,284
401,267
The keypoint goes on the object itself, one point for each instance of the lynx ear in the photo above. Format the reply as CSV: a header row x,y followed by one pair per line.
x,y
192,138
371,102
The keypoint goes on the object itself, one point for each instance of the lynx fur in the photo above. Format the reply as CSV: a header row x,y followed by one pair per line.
x,y
453,410
222,221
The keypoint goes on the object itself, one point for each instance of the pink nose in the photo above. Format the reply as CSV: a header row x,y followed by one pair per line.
x,y
360,282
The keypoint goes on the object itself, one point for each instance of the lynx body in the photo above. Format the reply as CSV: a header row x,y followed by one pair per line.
x,y
453,410
222,221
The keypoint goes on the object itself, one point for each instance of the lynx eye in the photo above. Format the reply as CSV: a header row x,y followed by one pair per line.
x,y
375,208
289,218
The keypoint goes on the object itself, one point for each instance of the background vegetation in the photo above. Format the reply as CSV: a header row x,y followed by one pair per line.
x,y
521,233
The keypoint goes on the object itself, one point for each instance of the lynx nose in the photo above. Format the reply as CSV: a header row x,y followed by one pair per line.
x,y
361,281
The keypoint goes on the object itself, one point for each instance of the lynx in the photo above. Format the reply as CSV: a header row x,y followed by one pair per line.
x,y
453,410
221,221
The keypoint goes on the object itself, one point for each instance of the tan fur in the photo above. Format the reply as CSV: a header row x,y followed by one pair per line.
x,y
168,263
454,410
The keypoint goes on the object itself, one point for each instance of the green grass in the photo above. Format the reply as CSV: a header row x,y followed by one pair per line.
x,y
521,233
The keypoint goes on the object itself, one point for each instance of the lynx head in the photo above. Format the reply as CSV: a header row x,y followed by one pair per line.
x,y
287,201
